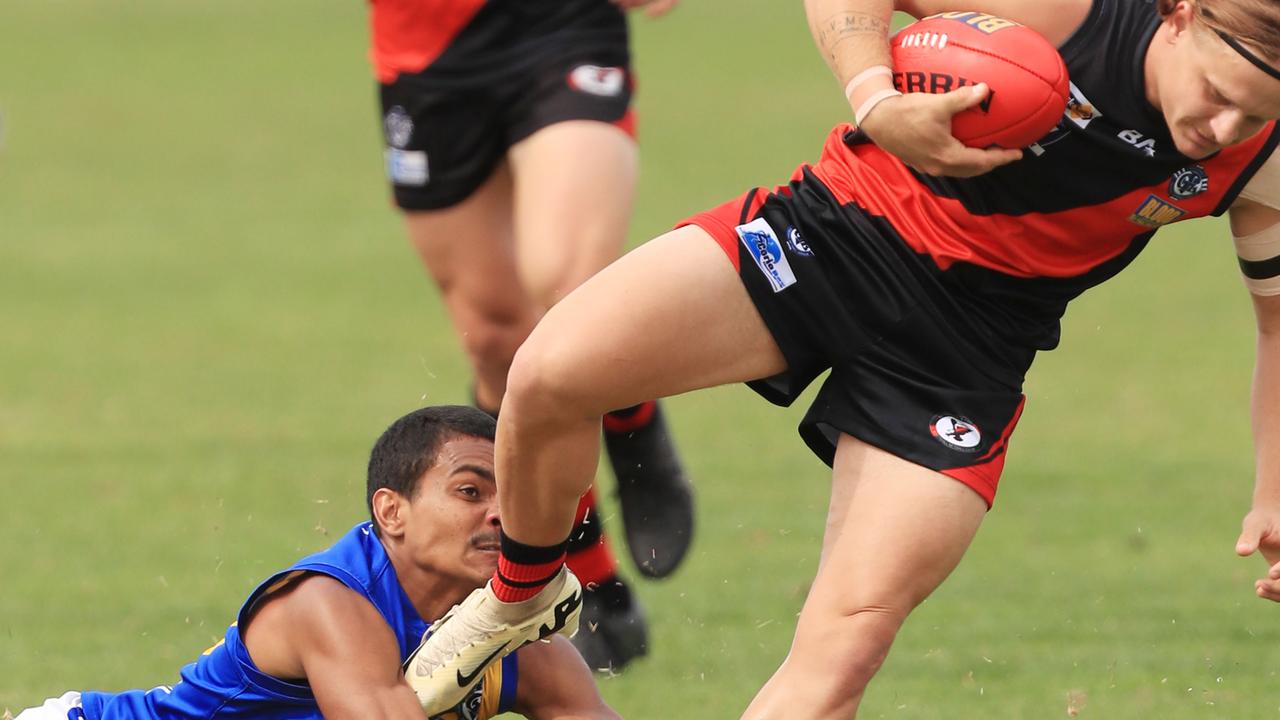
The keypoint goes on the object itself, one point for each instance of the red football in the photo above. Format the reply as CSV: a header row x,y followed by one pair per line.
x,y
1025,74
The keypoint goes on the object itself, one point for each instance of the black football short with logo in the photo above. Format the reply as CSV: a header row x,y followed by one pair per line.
x,y
916,368
516,68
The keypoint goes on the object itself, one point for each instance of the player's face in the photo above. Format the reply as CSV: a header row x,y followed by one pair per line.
x,y
453,524
1215,97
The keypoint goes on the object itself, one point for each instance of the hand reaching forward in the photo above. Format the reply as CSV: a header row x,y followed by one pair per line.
x,y
1261,532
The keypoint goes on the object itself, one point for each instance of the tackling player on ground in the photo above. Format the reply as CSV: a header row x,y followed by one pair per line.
x,y
327,637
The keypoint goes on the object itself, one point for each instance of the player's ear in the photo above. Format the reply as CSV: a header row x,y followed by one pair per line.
x,y
1180,19
389,511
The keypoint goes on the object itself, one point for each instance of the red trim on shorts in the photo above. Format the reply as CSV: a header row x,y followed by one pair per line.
x,y
984,476
720,221
627,123
636,420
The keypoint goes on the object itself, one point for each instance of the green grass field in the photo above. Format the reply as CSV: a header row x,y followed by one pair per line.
x,y
208,311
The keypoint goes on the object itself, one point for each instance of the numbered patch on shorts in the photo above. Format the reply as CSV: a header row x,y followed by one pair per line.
x,y
762,243
407,167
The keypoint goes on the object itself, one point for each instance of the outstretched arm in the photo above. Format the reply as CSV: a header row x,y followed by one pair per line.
x,y
555,684
321,630
1257,231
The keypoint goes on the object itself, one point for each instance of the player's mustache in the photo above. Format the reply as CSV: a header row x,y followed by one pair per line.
x,y
485,540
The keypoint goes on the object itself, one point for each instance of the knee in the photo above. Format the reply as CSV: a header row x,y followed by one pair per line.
x,y
854,644
545,384
491,342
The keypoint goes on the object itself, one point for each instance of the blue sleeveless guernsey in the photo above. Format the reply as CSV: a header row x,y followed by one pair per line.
x,y
225,683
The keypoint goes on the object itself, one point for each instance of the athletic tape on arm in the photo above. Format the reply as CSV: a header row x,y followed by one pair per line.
x,y
1259,252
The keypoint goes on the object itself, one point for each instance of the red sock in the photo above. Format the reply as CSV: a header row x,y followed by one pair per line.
x,y
629,419
588,552
524,570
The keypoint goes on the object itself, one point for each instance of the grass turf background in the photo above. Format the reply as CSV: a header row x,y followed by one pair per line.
x,y
208,311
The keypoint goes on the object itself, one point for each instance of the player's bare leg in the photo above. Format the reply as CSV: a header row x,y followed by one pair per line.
x,y
468,250
574,184
895,531
669,317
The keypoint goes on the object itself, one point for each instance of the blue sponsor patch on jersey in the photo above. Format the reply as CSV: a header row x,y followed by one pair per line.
x,y
762,243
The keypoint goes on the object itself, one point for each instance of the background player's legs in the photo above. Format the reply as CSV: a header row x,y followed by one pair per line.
x,y
575,182
669,317
467,249
895,530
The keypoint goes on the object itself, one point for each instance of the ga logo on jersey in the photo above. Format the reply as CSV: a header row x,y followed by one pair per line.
x,y
596,80
1154,212
957,433
763,245
1188,182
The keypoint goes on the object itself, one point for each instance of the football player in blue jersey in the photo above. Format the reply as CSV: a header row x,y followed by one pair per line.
x,y
329,636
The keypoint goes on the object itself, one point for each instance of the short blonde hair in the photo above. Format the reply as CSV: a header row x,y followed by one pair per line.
x,y
1255,23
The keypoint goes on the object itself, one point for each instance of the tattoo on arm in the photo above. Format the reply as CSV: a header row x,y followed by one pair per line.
x,y
848,25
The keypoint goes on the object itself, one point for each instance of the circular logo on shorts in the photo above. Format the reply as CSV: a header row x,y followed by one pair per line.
x,y
797,243
956,433
596,80
398,127
1188,182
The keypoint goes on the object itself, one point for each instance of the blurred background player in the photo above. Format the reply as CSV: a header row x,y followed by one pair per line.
x,y
510,147
327,637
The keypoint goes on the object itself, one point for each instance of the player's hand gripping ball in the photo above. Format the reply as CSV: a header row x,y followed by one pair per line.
x,y
1025,74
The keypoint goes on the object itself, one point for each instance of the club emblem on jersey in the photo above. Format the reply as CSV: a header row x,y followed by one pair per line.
x,y
763,246
796,242
596,80
1188,182
956,433
398,127
1154,212
1080,112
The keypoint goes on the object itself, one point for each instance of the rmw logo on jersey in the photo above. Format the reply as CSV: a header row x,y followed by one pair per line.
x,y
936,82
979,21
1140,142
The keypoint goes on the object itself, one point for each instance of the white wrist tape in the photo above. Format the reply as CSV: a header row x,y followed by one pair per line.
x,y
873,71
870,103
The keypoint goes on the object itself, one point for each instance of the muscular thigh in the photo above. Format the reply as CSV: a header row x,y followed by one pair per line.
x,y
668,317
575,182
467,248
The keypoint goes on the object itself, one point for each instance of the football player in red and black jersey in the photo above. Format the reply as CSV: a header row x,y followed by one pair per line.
x,y
510,148
925,276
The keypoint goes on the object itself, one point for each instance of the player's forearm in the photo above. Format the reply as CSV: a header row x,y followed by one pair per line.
x,y
1266,419
852,35
396,702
